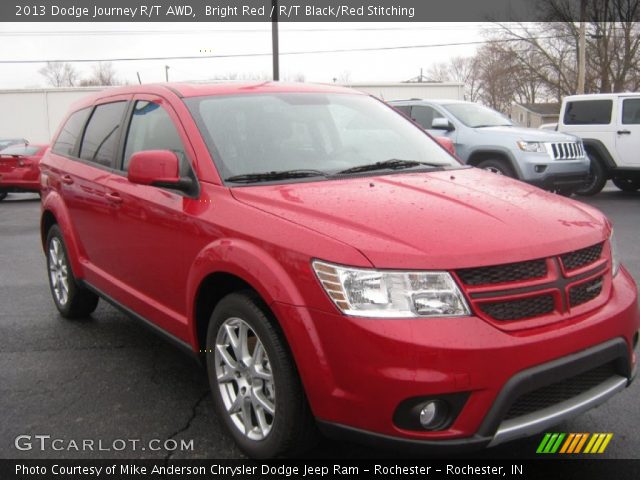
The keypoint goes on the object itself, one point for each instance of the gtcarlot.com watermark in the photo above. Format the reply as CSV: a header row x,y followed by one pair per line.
x,y
44,443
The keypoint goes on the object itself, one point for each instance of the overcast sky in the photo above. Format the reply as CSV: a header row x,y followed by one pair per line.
x,y
48,41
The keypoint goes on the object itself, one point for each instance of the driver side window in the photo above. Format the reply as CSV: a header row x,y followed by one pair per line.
x,y
151,128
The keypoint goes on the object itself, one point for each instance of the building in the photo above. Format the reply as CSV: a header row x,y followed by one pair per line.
x,y
35,114
407,90
535,114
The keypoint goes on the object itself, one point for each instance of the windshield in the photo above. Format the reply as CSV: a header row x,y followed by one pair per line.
x,y
23,150
324,133
476,116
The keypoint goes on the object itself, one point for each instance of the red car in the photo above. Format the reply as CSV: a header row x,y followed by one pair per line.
x,y
334,267
19,168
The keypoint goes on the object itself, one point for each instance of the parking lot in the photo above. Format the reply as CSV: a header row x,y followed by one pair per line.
x,y
108,377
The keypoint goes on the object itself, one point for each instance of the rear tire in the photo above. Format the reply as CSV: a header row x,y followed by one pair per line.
x,y
254,382
72,300
627,184
596,180
499,167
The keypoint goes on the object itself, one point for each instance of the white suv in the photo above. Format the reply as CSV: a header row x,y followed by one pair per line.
x,y
609,125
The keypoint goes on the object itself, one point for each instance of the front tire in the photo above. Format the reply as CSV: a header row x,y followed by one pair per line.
x,y
627,184
499,167
255,385
3,195
596,180
72,300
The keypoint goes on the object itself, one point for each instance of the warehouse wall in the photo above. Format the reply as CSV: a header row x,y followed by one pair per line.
x,y
35,114
405,91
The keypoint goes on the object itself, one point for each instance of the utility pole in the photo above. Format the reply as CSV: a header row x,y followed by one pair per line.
x,y
166,72
274,41
582,46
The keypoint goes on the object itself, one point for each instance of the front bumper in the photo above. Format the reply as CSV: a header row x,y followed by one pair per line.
x,y
356,371
540,170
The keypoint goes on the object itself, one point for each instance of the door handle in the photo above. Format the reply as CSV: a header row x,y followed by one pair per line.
x,y
67,180
114,197
624,132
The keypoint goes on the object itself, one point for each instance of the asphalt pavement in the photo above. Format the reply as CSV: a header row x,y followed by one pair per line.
x,y
108,379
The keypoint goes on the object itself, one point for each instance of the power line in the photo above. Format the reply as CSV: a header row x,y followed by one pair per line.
x,y
266,54
241,30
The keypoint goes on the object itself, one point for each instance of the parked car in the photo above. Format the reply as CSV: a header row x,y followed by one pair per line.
x,y
19,168
6,142
334,267
447,144
609,125
487,139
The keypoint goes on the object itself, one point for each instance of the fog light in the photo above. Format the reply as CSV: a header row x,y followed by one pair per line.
x,y
540,168
433,414
428,414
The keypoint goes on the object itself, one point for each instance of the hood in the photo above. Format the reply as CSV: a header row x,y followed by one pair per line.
x,y
528,134
435,220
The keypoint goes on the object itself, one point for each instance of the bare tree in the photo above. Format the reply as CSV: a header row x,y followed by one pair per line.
x,y
60,74
458,69
549,49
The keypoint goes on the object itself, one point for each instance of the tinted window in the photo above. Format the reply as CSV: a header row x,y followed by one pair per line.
x,y
424,115
70,134
631,111
100,139
326,132
406,109
590,112
20,150
151,128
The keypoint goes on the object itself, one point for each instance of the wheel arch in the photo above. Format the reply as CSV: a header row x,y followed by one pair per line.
x,y
229,265
595,147
54,212
480,155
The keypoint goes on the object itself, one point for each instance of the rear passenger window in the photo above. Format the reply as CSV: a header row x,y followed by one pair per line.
x,y
631,111
69,136
151,128
100,140
406,109
591,112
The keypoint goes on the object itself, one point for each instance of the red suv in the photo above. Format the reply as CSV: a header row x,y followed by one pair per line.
x,y
334,267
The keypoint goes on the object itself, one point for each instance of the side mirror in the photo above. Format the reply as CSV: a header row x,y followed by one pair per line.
x,y
442,123
160,168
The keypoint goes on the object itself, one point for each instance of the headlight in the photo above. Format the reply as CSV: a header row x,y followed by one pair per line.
x,y
613,245
379,293
536,147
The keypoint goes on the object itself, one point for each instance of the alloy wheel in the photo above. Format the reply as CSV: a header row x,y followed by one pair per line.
x,y
245,380
58,271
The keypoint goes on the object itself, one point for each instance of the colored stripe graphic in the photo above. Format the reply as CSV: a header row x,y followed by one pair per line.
x,y
550,443
573,443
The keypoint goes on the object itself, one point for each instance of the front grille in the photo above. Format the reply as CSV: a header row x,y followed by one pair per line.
x,y
519,309
510,272
582,257
559,392
582,293
566,150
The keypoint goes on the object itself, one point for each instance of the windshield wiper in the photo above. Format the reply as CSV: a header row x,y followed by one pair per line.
x,y
391,164
275,175
494,125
